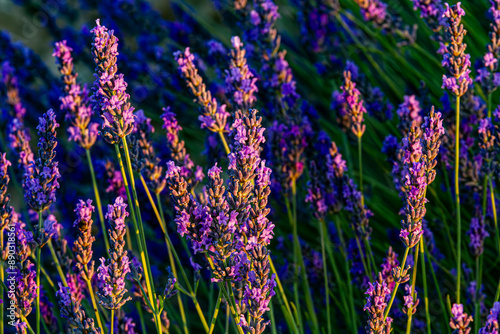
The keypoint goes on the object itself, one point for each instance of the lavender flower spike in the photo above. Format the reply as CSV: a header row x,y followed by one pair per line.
x,y
460,320
5,208
355,106
70,309
75,101
240,81
492,322
110,87
213,116
114,270
41,180
454,59
83,243
376,303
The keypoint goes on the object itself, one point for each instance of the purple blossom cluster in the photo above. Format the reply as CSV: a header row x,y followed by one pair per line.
x,y
113,271
213,115
454,58
110,87
41,179
76,101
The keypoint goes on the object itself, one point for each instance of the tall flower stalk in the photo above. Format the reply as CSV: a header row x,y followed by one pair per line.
x,y
118,122
83,249
75,101
457,62
40,184
421,147
113,271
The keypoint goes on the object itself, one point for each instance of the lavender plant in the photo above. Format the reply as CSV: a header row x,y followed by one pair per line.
x,y
223,241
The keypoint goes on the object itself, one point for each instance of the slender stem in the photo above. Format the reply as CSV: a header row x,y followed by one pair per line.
x,y
489,104
495,219
58,265
173,254
360,162
306,288
330,256
141,316
145,264
296,270
112,321
161,220
231,307
285,305
477,315
98,200
438,290
216,313
497,294
227,320
273,321
424,279
325,278
38,260
368,271
393,295
348,273
92,297
414,280
1,286
224,142
457,198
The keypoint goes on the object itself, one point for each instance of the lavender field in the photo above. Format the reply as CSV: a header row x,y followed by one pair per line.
x,y
249,166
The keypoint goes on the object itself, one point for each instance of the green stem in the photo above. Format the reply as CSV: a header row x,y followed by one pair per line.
x,y
360,162
414,280
438,289
393,295
424,279
145,264
497,294
141,316
98,200
489,104
271,318
224,142
161,221
92,297
1,286
58,265
477,315
348,273
457,197
38,261
285,305
306,288
216,313
325,277
494,209
113,321
231,307
172,253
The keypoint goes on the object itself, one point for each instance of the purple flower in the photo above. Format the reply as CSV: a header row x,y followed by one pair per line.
x,y
477,234
82,246
109,87
454,58
9,79
355,108
378,295
492,322
240,81
213,116
41,181
460,320
112,271
75,100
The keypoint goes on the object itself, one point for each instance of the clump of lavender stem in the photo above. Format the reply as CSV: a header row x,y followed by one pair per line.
x,y
457,62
